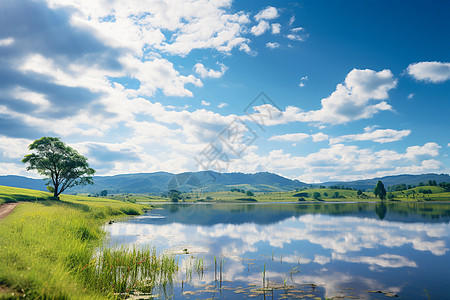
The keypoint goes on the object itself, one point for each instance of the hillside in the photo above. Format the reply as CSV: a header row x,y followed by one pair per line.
x,y
23,182
391,180
208,181
160,182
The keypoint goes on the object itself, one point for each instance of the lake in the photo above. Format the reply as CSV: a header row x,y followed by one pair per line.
x,y
299,251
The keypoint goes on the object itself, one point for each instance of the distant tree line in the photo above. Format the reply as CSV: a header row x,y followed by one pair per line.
x,y
248,193
403,186
341,187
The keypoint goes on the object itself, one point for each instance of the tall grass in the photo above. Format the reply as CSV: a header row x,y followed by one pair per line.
x,y
123,271
41,247
47,251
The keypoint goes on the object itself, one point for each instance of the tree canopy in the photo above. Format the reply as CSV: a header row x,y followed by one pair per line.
x,y
62,165
379,190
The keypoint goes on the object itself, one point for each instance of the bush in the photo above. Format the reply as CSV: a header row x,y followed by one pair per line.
x,y
425,191
301,195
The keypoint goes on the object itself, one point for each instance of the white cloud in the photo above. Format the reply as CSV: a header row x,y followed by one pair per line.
x,y
430,71
410,96
344,162
260,29
378,136
204,73
296,37
192,25
291,20
268,13
292,137
205,103
351,100
318,137
222,105
429,149
159,74
322,260
302,81
297,34
383,260
297,29
6,42
272,45
276,28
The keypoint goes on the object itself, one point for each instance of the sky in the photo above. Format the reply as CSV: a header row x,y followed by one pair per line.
x,y
312,90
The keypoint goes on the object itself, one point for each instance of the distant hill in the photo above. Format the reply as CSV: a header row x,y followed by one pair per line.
x,y
391,180
23,182
161,182
208,181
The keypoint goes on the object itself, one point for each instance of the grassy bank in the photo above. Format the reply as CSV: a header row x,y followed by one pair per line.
x,y
47,247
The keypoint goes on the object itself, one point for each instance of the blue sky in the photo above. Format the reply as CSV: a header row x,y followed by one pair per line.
x,y
312,90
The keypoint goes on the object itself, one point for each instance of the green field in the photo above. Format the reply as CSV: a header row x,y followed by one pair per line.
x,y
326,194
47,249
228,196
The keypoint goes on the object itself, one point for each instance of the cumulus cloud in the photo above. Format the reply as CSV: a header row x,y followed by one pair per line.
x,y
260,29
159,74
297,137
6,42
302,81
272,45
276,28
345,162
351,100
430,71
268,13
318,137
191,25
429,149
222,105
205,103
291,137
204,73
378,136
297,34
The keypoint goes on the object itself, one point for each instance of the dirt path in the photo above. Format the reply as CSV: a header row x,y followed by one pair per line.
x,y
6,209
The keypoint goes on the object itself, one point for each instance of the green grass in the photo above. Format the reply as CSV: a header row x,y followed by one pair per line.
x,y
12,194
438,194
326,195
228,196
47,246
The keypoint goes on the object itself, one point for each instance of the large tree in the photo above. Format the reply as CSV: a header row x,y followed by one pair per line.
x,y
379,190
62,165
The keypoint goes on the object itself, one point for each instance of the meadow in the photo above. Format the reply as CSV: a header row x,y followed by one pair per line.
x,y
324,195
49,250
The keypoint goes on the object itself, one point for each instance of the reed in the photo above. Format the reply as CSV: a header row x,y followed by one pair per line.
x,y
123,271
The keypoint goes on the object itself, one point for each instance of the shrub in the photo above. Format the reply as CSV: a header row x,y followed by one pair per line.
x,y
303,194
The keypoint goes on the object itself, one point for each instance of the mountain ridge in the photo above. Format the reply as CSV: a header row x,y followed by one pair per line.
x,y
210,181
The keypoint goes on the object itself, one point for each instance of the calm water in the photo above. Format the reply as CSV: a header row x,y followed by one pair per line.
x,y
308,251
